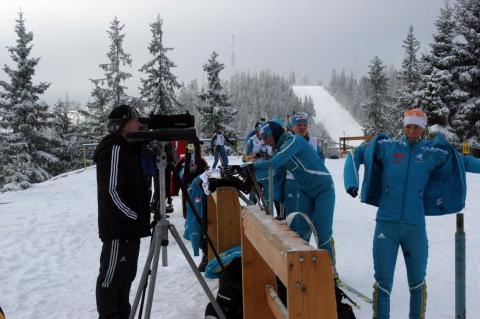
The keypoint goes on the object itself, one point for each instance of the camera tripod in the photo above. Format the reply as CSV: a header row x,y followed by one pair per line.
x,y
159,244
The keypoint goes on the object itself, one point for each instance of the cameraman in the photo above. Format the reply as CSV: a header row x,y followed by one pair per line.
x,y
123,211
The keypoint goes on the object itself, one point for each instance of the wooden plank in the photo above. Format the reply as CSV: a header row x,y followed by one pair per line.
x,y
276,306
255,276
271,239
311,292
212,224
356,138
228,218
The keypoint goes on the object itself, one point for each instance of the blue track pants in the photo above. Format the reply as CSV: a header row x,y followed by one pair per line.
x,y
413,240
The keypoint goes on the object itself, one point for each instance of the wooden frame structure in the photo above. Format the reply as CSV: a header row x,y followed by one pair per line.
x,y
270,250
343,141
223,211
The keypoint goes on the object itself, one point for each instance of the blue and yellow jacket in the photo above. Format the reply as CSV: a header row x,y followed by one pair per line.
x,y
408,181
293,152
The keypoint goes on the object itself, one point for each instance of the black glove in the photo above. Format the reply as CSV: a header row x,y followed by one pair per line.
x,y
243,171
353,191
231,170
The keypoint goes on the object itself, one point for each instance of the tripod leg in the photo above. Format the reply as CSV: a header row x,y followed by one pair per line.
x,y
144,278
156,257
199,276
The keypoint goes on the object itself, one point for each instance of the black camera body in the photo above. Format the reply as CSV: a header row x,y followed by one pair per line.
x,y
163,128
174,121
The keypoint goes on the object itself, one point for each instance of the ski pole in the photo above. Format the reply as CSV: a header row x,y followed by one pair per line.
x,y
270,187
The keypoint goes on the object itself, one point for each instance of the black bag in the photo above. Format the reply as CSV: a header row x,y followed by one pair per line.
x,y
229,295
344,310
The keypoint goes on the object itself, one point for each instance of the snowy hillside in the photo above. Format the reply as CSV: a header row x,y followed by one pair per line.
x,y
335,118
49,253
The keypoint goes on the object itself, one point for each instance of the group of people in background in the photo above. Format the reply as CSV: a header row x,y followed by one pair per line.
x,y
407,178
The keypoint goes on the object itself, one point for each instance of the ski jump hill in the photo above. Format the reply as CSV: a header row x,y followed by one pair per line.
x,y
335,118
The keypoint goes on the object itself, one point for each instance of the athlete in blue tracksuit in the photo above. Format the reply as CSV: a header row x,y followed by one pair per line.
x,y
407,178
293,153
293,199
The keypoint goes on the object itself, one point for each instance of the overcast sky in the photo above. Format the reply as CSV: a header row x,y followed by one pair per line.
x,y
311,37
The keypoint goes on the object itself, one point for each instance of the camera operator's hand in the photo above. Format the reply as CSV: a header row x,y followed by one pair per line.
x,y
353,191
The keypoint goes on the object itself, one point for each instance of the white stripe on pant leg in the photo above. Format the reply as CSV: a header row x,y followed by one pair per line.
x,y
111,266
113,263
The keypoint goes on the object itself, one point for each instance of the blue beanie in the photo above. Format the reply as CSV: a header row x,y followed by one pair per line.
x,y
299,118
271,128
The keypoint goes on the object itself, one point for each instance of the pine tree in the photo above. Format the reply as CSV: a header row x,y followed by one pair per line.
x,y
188,96
159,86
216,110
437,86
24,124
466,121
65,145
378,115
410,74
108,91
333,84
409,77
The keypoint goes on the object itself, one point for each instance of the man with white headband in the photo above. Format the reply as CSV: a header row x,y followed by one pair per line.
x,y
407,179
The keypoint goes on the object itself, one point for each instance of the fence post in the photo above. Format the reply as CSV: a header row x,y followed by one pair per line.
x,y
460,259
84,157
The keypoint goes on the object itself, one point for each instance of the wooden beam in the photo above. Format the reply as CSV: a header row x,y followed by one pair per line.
x,y
276,306
212,225
310,288
356,138
228,218
271,239
269,250
255,275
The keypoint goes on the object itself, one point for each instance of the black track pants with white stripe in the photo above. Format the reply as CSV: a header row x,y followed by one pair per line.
x,y
118,266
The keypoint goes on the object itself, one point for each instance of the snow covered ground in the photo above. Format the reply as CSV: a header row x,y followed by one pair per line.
x,y
49,253
334,117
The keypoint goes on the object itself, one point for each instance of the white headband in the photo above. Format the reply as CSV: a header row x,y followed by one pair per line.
x,y
417,120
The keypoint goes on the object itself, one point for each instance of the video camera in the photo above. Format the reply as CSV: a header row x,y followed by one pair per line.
x,y
163,128
177,121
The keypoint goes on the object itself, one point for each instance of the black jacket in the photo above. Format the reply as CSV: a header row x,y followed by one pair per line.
x,y
122,189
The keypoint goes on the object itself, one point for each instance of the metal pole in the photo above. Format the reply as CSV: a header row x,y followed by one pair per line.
x,y
460,259
84,157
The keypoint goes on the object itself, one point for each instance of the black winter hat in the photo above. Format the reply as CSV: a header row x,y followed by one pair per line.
x,y
119,116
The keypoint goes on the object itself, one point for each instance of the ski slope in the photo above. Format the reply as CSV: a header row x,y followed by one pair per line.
x,y
335,118
49,252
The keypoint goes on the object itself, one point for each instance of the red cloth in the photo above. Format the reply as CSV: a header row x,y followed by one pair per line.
x,y
181,148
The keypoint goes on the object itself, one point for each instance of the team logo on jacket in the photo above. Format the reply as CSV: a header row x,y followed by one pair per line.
x,y
398,158
198,199
419,158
